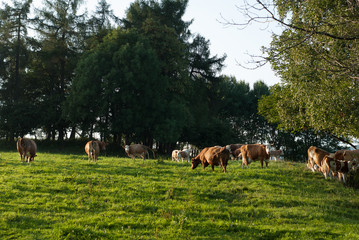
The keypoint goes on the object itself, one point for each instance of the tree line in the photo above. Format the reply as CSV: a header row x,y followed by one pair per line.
x,y
143,78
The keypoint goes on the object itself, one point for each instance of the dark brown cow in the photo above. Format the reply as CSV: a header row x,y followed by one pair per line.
x,y
212,156
254,152
315,158
24,147
134,150
342,168
93,148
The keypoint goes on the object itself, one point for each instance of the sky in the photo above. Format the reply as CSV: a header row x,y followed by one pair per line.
x,y
207,19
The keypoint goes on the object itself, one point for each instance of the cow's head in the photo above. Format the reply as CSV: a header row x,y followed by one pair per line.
x,y
195,162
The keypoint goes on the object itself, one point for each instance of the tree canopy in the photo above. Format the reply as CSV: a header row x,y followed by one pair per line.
x,y
316,57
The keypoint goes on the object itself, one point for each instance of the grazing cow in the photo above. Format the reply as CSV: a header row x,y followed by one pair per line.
x,y
254,152
27,149
331,165
200,159
350,155
183,154
93,148
174,155
212,156
232,148
134,150
315,158
275,154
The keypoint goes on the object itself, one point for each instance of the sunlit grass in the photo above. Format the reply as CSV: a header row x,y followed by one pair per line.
x,y
63,196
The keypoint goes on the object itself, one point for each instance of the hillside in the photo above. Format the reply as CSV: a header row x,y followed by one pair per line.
x,y
65,197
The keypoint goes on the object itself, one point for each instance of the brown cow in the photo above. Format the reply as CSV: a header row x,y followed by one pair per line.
x,y
200,159
24,147
92,148
315,158
212,156
331,165
134,150
254,152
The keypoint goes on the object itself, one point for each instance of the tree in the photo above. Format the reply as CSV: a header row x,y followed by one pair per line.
x,y
101,23
15,108
316,57
59,26
119,83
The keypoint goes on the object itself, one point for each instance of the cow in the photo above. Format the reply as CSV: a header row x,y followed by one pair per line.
x,y
134,150
232,148
174,155
253,152
342,168
93,148
27,149
275,154
183,154
212,156
350,155
315,158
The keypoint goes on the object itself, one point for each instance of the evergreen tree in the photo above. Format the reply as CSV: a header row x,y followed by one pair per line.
x,y
16,109
59,28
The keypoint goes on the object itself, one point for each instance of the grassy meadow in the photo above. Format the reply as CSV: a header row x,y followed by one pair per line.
x,y
62,196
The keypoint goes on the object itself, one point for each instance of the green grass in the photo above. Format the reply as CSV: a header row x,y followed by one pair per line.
x,y
64,197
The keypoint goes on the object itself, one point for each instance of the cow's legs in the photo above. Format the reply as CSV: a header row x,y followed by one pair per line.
x,y
212,167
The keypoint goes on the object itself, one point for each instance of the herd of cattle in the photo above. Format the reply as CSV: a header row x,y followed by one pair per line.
x,y
337,164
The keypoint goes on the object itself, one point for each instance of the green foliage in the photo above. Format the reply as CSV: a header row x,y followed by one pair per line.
x,y
116,81
62,196
316,56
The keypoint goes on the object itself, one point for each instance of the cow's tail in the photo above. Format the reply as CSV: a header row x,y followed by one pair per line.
x,y
92,150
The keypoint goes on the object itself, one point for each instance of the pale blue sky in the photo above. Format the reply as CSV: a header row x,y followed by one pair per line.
x,y
233,42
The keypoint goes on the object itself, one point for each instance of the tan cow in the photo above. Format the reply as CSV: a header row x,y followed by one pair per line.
x,y
340,167
315,158
174,155
134,150
350,155
27,149
184,154
254,152
93,148
212,156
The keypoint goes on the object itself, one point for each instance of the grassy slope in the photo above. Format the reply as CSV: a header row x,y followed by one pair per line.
x,y
65,197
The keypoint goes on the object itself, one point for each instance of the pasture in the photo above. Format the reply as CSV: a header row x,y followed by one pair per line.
x,y
63,196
